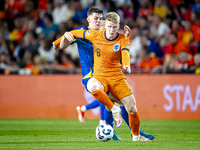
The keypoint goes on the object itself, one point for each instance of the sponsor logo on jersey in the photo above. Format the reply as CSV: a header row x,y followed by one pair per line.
x,y
116,47
98,43
88,32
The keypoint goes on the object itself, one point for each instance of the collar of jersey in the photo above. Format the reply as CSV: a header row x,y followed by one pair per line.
x,y
89,28
112,39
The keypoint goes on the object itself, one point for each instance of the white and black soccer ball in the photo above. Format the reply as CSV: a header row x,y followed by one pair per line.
x,y
104,132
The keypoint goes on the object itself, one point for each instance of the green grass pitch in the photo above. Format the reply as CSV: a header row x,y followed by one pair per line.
x,y
69,134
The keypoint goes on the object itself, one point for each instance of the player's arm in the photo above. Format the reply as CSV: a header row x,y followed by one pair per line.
x,y
63,42
56,44
66,40
84,34
126,56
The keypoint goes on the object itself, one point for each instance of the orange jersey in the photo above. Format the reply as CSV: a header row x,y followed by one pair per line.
x,y
107,53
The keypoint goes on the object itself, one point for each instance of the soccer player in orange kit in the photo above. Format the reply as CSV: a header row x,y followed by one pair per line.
x,y
110,48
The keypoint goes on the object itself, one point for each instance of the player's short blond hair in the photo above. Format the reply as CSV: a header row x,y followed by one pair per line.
x,y
113,17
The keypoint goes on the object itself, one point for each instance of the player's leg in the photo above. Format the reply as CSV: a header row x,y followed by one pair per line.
x,y
108,117
109,120
124,115
102,116
120,89
134,118
96,88
82,109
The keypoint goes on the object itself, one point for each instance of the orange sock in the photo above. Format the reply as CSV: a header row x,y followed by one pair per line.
x,y
57,42
134,123
102,97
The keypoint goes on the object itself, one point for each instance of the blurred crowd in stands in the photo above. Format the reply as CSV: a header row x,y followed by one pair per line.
x,y
165,34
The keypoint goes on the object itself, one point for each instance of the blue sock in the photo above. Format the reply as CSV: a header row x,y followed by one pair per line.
x,y
92,105
102,108
124,115
108,117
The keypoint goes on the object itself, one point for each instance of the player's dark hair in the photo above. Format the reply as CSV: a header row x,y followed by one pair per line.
x,y
94,10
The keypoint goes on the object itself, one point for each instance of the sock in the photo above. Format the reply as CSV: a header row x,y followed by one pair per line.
x,y
134,123
136,138
102,122
92,105
102,108
124,115
102,98
83,108
108,117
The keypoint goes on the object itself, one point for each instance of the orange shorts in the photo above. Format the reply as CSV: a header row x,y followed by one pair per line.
x,y
118,86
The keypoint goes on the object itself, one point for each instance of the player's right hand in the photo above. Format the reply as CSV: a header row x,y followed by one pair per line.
x,y
69,36
56,48
127,68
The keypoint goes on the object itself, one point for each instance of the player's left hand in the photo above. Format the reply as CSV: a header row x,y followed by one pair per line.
x,y
127,31
127,68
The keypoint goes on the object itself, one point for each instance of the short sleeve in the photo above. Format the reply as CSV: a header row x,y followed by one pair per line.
x,y
84,34
89,35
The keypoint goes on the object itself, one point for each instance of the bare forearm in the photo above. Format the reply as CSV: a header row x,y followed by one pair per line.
x,y
63,43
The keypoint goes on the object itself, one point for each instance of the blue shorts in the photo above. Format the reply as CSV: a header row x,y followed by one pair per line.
x,y
85,81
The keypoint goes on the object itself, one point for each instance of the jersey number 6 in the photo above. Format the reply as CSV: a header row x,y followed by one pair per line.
x,y
98,52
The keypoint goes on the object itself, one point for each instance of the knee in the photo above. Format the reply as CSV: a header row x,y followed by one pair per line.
x,y
131,109
92,85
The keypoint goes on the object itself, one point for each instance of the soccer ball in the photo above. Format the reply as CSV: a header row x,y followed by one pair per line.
x,y
104,132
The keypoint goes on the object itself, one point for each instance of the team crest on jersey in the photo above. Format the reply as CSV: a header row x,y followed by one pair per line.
x,y
116,47
88,32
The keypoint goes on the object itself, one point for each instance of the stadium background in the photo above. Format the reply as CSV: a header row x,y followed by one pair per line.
x,y
40,89
56,96
26,50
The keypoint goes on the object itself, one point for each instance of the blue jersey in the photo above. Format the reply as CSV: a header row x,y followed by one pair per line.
x,y
86,54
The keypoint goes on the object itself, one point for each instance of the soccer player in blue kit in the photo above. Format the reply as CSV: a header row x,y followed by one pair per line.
x,y
86,53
